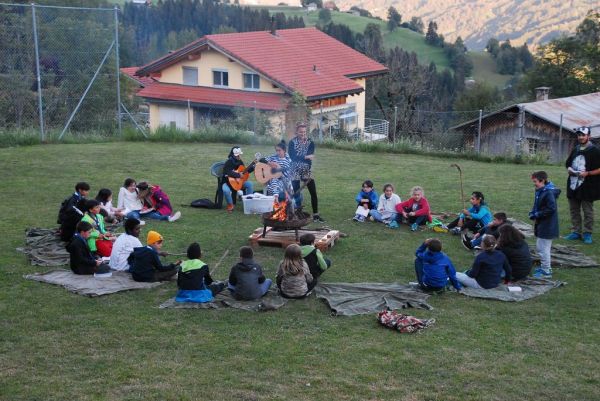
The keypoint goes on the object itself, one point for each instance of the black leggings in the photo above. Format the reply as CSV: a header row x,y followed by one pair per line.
x,y
470,224
312,189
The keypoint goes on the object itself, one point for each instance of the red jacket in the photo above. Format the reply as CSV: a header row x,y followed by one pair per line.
x,y
421,210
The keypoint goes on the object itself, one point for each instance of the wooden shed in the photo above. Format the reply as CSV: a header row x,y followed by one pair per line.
x,y
537,128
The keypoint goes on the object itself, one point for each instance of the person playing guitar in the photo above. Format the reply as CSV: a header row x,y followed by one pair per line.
x,y
279,164
235,176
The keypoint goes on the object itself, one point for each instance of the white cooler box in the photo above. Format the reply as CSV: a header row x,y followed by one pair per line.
x,y
257,203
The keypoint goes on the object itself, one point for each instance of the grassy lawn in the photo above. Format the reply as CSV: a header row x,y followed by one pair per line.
x,y
59,346
484,70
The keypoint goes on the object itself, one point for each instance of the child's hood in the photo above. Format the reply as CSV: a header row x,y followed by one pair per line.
x,y
432,257
552,188
192,264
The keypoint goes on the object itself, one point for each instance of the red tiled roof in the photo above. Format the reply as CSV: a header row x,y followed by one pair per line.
x,y
199,95
130,72
304,60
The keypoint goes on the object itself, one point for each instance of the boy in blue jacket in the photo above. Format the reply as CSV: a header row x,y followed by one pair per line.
x,y
367,199
145,264
433,267
545,217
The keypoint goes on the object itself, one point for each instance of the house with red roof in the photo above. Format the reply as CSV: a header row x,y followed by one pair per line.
x,y
257,70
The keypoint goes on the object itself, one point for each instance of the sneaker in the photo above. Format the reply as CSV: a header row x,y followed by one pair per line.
x,y
356,217
466,241
455,231
393,224
541,273
414,227
175,217
371,218
587,238
317,218
142,223
572,237
230,208
361,218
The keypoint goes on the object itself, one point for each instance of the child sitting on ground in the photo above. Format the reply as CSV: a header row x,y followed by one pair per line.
x,y
313,257
492,228
71,210
293,275
366,199
489,267
129,200
110,213
125,244
157,205
414,211
194,281
386,208
145,263
246,279
433,267
474,218
100,241
81,259
545,216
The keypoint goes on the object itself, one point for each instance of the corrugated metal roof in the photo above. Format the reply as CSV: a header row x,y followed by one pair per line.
x,y
577,111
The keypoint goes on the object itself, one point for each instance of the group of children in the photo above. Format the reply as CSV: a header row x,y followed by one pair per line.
x,y
389,208
505,254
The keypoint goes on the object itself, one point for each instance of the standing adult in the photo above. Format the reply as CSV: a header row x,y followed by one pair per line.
x,y
302,153
583,185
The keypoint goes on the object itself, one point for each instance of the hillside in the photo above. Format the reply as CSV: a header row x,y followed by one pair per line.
x,y
531,21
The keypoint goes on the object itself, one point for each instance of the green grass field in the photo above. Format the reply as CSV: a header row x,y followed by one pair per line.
x,y
484,70
59,346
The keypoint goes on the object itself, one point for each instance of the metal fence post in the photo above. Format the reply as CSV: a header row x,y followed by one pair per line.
x,y
37,72
395,130
560,128
479,132
117,61
254,118
521,128
189,119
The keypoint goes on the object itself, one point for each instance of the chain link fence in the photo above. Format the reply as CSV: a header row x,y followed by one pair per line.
x,y
59,70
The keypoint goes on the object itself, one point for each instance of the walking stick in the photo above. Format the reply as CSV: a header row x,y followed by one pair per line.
x,y
220,260
462,192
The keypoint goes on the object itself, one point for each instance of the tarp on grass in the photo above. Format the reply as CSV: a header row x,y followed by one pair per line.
x,y
88,284
530,288
270,301
348,299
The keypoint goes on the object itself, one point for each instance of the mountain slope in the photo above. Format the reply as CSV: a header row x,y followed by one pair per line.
x,y
522,21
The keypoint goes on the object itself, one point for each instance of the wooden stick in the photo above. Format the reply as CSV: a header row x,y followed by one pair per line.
x,y
462,192
220,260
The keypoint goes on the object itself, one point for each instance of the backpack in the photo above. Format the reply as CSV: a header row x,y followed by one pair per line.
x,y
203,203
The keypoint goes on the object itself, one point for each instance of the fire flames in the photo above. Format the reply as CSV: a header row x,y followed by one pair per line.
x,y
279,211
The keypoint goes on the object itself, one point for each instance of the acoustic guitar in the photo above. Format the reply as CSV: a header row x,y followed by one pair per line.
x,y
238,183
264,173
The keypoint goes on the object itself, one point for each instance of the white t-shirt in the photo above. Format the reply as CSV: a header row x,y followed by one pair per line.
x,y
386,206
128,200
122,248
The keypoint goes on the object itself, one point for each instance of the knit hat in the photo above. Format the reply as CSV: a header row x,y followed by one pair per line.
x,y
153,237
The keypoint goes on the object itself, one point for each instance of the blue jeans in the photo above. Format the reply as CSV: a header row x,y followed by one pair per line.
x,y
247,187
135,214
543,246
378,217
264,287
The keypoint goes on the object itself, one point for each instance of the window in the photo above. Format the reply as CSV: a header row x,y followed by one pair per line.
x,y
220,78
536,146
190,76
251,81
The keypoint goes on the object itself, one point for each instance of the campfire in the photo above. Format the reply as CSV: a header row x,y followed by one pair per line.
x,y
285,217
279,211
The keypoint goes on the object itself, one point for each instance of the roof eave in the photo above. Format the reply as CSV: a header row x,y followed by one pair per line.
x,y
334,94
171,58
368,74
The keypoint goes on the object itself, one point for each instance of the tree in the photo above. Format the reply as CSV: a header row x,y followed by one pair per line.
x,y
416,24
372,42
324,15
493,47
480,96
432,37
394,19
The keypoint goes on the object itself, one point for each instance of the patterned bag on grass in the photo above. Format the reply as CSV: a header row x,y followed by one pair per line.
x,y
403,323
437,226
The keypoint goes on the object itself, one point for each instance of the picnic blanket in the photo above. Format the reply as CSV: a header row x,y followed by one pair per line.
x,y
88,284
566,256
348,299
531,287
270,301
43,247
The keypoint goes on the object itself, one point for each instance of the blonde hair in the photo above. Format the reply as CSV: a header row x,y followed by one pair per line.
x,y
488,243
292,261
417,189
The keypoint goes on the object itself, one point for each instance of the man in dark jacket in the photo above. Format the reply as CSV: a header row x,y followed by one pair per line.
x,y
145,264
246,279
545,216
230,170
71,210
583,185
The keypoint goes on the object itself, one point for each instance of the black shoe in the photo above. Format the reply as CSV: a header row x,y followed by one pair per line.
x,y
317,218
466,241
